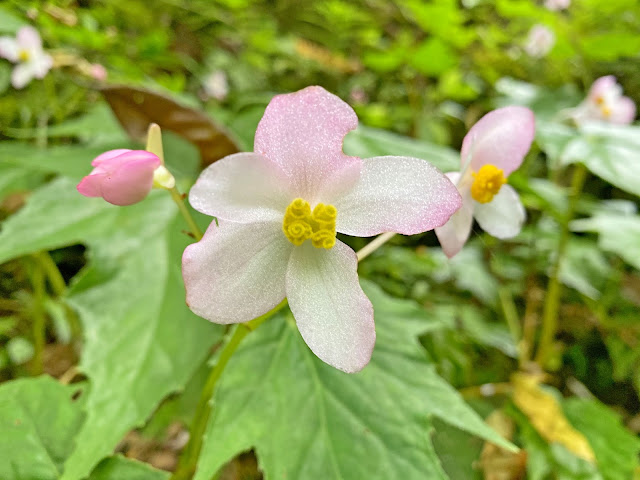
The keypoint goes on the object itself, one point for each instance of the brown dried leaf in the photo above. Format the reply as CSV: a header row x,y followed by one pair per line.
x,y
136,108
497,463
547,417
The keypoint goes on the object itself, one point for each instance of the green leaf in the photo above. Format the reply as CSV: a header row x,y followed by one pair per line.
x,y
615,447
371,142
308,420
141,341
38,420
434,57
9,23
608,151
71,161
584,267
56,216
619,234
120,468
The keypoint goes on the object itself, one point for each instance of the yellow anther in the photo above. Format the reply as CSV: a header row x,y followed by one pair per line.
x,y
606,111
487,183
599,100
23,55
299,224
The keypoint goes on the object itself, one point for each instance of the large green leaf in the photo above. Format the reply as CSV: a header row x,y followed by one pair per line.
x,y
608,151
38,420
141,340
371,142
308,420
56,215
619,234
120,468
615,447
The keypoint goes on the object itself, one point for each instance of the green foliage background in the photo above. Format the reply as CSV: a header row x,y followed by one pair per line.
x,y
419,74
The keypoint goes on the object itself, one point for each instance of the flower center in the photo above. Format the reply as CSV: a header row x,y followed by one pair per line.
x,y
23,55
300,224
487,183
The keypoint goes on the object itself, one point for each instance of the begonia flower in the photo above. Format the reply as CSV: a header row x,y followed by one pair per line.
x,y
26,51
540,41
279,209
124,177
605,102
494,147
555,5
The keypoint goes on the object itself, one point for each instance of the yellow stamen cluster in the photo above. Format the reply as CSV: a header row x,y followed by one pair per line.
x,y
300,224
487,183
23,55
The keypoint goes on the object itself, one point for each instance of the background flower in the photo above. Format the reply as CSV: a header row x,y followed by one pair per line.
x,y
26,51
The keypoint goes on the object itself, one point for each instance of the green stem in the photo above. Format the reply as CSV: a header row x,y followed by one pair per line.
x,y
52,272
39,324
177,197
189,458
511,316
554,289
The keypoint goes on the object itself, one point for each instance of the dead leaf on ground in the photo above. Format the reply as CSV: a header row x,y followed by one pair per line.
x,y
136,108
497,463
546,415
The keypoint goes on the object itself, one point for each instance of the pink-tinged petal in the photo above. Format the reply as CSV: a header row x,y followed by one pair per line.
x,y
9,49
454,234
396,194
334,316
21,75
91,185
602,87
502,217
237,271
108,155
29,38
244,188
623,112
501,138
132,180
302,133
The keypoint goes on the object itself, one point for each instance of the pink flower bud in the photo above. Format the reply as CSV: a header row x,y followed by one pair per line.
x,y
540,41
98,72
122,177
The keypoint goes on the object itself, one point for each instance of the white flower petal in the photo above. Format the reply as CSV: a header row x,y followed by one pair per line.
x,y
21,75
244,188
396,194
334,316
29,39
9,49
237,271
41,64
504,216
454,234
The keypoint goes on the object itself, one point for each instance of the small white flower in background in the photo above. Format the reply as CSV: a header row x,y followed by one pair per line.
x,y
98,72
540,41
25,50
358,95
556,5
216,85
606,103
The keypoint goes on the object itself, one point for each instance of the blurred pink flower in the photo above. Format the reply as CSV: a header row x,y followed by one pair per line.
x,y
216,85
605,102
555,5
26,51
493,148
540,41
98,72
279,209
122,177
358,95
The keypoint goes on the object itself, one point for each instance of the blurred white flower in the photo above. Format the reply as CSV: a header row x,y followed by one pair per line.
x,y
25,50
216,85
556,5
540,41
